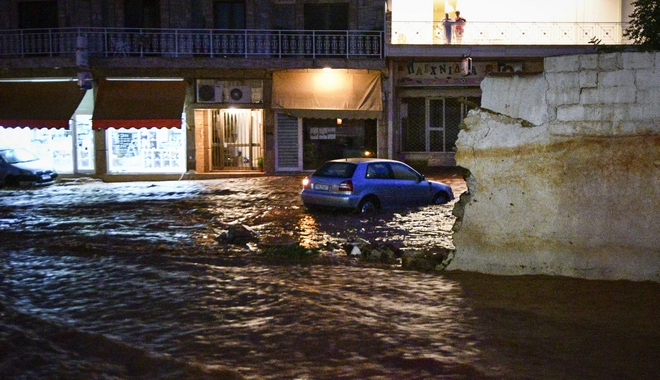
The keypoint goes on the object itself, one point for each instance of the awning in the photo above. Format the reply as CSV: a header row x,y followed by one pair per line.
x,y
328,94
139,104
38,104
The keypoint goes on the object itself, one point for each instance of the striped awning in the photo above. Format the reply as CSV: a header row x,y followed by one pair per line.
x,y
47,104
139,104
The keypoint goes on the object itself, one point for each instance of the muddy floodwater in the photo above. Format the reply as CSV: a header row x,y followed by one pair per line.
x,y
133,281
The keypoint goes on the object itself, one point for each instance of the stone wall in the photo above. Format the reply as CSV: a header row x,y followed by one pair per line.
x,y
563,170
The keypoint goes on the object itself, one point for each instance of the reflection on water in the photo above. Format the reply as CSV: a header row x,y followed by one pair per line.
x,y
269,322
308,230
127,281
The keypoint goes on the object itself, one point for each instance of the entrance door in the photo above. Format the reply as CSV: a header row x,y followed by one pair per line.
x,y
236,139
325,140
432,124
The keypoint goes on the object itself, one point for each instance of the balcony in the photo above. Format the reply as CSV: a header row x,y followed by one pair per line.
x,y
124,42
510,33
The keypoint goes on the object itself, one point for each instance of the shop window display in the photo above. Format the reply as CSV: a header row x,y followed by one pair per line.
x,y
53,146
326,139
147,150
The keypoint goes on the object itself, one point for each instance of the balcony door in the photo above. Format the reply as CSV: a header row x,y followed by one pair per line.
x,y
37,14
228,14
142,13
328,16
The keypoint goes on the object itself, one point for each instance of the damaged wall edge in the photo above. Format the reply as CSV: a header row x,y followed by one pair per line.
x,y
577,195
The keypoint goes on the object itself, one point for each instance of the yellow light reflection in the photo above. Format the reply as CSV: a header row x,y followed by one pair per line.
x,y
308,230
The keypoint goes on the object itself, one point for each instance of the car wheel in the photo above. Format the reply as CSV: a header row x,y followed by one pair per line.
x,y
368,205
11,181
440,198
311,208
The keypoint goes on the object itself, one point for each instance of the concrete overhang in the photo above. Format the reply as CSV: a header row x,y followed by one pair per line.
x,y
187,63
488,51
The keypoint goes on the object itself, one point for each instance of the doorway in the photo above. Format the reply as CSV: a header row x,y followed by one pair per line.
x,y
326,139
431,124
236,139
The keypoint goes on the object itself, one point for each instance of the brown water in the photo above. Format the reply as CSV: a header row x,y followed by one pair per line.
x,y
127,281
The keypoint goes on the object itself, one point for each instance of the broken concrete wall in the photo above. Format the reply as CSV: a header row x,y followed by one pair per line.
x,y
564,171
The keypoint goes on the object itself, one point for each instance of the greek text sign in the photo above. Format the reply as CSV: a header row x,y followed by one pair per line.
x,y
442,73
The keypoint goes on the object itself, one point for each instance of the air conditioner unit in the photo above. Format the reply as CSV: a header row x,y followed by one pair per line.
x,y
209,91
239,94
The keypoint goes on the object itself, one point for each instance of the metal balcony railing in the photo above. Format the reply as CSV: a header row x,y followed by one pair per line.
x,y
509,33
125,42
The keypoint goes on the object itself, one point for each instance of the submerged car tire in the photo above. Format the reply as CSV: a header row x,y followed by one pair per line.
x,y
11,181
368,205
441,198
311,208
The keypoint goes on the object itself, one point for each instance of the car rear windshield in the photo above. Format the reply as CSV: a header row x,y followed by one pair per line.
x,y
336,170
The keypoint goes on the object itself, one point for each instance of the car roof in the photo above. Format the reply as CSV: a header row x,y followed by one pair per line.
x,y
358,160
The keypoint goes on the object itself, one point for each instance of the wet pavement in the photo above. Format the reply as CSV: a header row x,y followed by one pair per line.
x,y
132,281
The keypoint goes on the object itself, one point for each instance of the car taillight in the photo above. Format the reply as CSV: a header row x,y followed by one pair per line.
x,y
305,183
346,185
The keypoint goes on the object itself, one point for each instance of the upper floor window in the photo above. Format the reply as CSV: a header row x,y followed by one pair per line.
x,y
229,14
37,14
142,13
328,16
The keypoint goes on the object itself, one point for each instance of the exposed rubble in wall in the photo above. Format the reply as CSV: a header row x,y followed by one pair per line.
x,y
563,171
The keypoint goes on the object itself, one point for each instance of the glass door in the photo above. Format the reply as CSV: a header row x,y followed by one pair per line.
x,y
236,139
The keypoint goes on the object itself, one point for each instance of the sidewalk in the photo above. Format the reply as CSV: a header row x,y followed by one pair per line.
x,y
431,171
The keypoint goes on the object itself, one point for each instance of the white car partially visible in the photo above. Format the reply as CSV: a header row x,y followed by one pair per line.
x,y
20,167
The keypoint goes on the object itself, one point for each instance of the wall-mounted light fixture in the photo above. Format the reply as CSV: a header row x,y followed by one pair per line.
x,y
466,65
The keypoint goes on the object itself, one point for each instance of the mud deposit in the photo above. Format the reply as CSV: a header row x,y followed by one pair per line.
x,y
131,281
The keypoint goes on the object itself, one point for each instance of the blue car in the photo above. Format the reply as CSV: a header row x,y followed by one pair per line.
x,y
369,184
19,167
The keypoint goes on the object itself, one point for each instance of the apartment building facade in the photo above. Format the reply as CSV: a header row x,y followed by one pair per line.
x,y
437,65
161,87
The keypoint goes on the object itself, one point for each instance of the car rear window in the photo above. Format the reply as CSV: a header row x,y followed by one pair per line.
x,y
336,170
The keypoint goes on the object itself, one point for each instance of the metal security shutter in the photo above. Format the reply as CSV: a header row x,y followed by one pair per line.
x,y
287,135
413,127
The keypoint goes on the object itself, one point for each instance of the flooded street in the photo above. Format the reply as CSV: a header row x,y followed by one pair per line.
x,y
133,281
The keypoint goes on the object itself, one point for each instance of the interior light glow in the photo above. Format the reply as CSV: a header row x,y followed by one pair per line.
x,y
146,79
40,80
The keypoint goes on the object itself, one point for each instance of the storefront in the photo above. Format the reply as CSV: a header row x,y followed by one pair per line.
x,y
433,98
143,124
323,114
328,139
51,119
229,125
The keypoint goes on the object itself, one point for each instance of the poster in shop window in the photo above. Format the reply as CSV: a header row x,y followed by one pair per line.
x,y
126,145
328,133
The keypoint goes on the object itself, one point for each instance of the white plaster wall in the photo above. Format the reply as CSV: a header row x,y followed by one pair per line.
x,y
565,171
